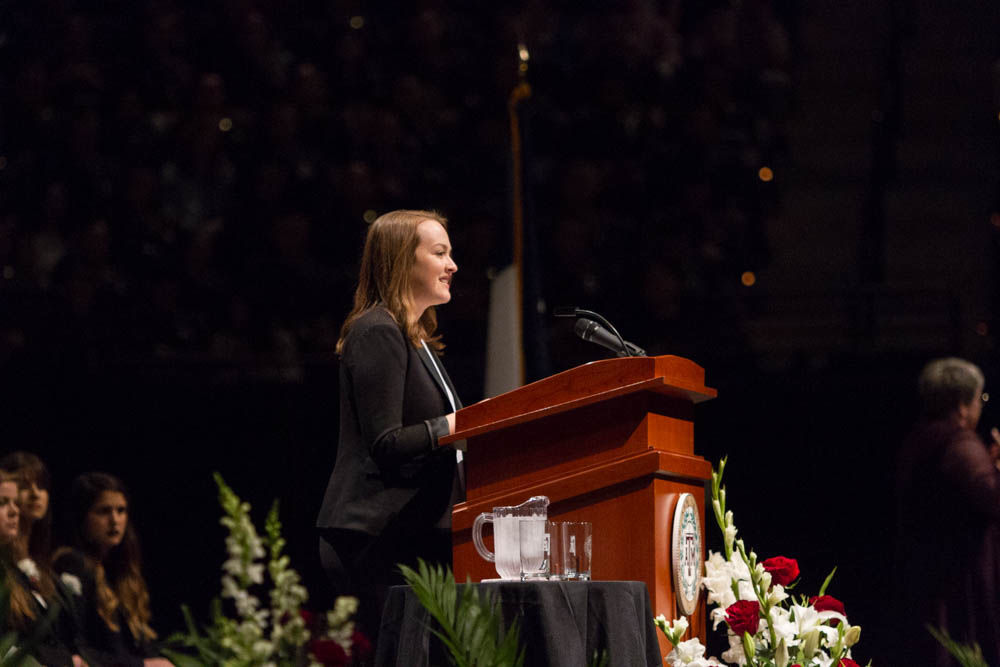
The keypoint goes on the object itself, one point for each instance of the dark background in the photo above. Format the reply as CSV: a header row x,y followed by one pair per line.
x,y
184,188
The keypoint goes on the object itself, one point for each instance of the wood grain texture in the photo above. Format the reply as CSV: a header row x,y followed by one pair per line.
x,y
611,442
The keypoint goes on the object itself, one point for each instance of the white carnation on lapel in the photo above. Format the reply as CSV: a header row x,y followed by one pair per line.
x,y
72,583
29,568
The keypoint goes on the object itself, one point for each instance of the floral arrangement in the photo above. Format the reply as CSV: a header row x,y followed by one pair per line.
x,y
279,634
766,625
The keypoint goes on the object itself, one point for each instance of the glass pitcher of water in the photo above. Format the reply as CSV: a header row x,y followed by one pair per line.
x,y
506,536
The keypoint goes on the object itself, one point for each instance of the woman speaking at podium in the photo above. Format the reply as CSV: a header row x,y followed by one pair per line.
x,y
390,495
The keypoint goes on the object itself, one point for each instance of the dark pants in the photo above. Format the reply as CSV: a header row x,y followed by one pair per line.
x,y
365,566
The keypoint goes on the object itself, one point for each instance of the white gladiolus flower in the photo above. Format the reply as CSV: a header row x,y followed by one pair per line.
x,y
777,594
747,592
687,652
729,535
346,605
718,581
739,567
690,654
735,653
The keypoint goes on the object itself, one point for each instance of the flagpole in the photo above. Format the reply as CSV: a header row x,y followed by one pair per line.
x,y
521,92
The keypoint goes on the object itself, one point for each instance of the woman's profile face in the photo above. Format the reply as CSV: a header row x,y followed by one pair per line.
x,y
430,277
34,500
9,511
106,521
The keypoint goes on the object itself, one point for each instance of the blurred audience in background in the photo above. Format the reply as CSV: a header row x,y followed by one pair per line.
x,y
188,183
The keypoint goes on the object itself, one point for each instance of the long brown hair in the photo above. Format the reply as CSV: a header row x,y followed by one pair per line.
x,y
384,280
35,536
22,606
119,574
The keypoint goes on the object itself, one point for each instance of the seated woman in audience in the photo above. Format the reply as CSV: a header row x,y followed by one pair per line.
x,y
33,611
104,557
34,486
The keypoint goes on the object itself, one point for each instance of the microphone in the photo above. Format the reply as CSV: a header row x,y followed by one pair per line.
x,y
591,331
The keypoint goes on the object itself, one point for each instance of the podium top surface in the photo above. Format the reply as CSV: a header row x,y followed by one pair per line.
x,y
590,383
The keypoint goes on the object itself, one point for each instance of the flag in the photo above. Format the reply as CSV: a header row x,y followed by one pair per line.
x,y
516,352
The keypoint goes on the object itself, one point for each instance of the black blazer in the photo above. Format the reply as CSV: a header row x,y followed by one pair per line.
x,y
97,643
389,468
51,635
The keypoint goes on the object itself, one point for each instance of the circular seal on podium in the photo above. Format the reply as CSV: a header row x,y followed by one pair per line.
x,y
685,554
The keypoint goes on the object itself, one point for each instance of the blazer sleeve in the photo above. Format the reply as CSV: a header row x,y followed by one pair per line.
x,y
376,365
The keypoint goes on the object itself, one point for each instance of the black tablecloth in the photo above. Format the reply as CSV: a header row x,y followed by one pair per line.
x,y
562,624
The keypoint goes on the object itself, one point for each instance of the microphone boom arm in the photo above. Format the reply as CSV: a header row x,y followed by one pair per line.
x,y
627,349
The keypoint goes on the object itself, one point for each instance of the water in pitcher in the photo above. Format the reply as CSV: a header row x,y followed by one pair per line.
x,y
506,535
507,546
507,542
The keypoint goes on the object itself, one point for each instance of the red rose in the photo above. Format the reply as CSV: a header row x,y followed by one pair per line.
x,y
783,570
743,616
360,645
828,603
327,652
847,662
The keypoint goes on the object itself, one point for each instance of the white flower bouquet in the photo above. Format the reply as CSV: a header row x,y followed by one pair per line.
x,y
279,634
765,624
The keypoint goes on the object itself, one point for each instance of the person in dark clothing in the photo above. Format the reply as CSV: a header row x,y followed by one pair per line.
x,y
948,521
34,488
390,495
34,610
112,607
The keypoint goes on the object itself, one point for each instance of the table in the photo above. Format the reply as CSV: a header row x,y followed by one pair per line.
x,y
562,624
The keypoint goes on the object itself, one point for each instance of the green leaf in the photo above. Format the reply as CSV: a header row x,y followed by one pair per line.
x,y
826,582
182,659
469,624
967,656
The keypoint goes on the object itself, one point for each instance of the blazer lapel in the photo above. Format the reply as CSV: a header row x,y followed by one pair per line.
x,y
433,369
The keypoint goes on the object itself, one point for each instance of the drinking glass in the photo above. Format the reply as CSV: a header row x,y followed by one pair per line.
x,y
557,560
577,546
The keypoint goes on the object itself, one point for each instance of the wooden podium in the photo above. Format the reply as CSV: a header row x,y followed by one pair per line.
x,y
610,442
